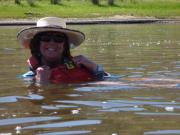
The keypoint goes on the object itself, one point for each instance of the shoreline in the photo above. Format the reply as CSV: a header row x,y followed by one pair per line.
x,y
86,21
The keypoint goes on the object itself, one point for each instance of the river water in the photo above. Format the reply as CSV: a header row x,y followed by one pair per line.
x,y
142,97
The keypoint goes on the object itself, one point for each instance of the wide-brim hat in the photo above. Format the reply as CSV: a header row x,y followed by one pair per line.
x,y
56,24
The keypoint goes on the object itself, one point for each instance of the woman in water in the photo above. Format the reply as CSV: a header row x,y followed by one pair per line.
x,y
51,61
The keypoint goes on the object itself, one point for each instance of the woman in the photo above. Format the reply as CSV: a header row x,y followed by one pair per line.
x,y
51,61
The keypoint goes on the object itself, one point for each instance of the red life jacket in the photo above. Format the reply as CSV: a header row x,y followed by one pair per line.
x,y
62,74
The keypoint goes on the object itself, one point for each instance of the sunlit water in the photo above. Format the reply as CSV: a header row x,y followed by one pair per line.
x,y
142,97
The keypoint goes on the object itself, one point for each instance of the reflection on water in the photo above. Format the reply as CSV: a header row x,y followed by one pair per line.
x,y
67,133
163,132
25,120
141,96
65,124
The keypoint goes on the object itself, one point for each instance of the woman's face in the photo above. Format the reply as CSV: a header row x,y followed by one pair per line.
x,y
52,46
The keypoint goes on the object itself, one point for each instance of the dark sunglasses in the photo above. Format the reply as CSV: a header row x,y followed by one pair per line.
x,y
55,37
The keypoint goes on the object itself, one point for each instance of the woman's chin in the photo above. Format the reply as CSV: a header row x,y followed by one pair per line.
x,y
52,58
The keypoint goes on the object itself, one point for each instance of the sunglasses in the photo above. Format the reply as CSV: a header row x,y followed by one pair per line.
x,y
55,37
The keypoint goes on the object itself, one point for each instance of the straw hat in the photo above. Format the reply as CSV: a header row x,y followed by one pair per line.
x,y
50,24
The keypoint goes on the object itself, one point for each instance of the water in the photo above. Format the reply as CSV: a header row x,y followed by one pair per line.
x,y
141,98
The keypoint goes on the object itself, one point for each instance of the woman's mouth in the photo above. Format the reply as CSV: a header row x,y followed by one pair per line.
x,y
51,49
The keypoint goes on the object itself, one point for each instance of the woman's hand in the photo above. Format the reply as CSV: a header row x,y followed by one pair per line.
x,y
82,60
43,74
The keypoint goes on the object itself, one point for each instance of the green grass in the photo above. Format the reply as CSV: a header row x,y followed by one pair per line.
x,y
84,8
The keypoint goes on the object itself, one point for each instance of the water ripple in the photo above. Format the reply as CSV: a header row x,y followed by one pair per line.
x,y
67,133
57,107
13,121
158,114
104,105
65,124
10,99
138,102
105,88
124,109
127,105
163,132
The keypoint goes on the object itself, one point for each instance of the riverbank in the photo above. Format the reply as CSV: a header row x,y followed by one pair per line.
x,y
100,20
160,9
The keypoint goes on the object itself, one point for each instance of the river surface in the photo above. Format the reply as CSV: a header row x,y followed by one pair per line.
x,y
142,96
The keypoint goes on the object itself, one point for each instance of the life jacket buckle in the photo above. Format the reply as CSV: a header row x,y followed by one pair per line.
x,y
69,65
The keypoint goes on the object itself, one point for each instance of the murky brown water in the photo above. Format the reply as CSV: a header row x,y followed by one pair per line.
x,y
141,98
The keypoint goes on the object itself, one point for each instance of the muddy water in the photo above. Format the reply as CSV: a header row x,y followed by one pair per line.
x,y
142,97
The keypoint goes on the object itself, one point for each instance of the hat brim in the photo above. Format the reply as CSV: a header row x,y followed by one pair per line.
x,y
26,35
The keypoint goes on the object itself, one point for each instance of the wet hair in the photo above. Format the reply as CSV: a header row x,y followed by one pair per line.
x,y
35,47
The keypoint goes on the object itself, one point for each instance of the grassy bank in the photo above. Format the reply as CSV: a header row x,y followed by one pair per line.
x,y
84,8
